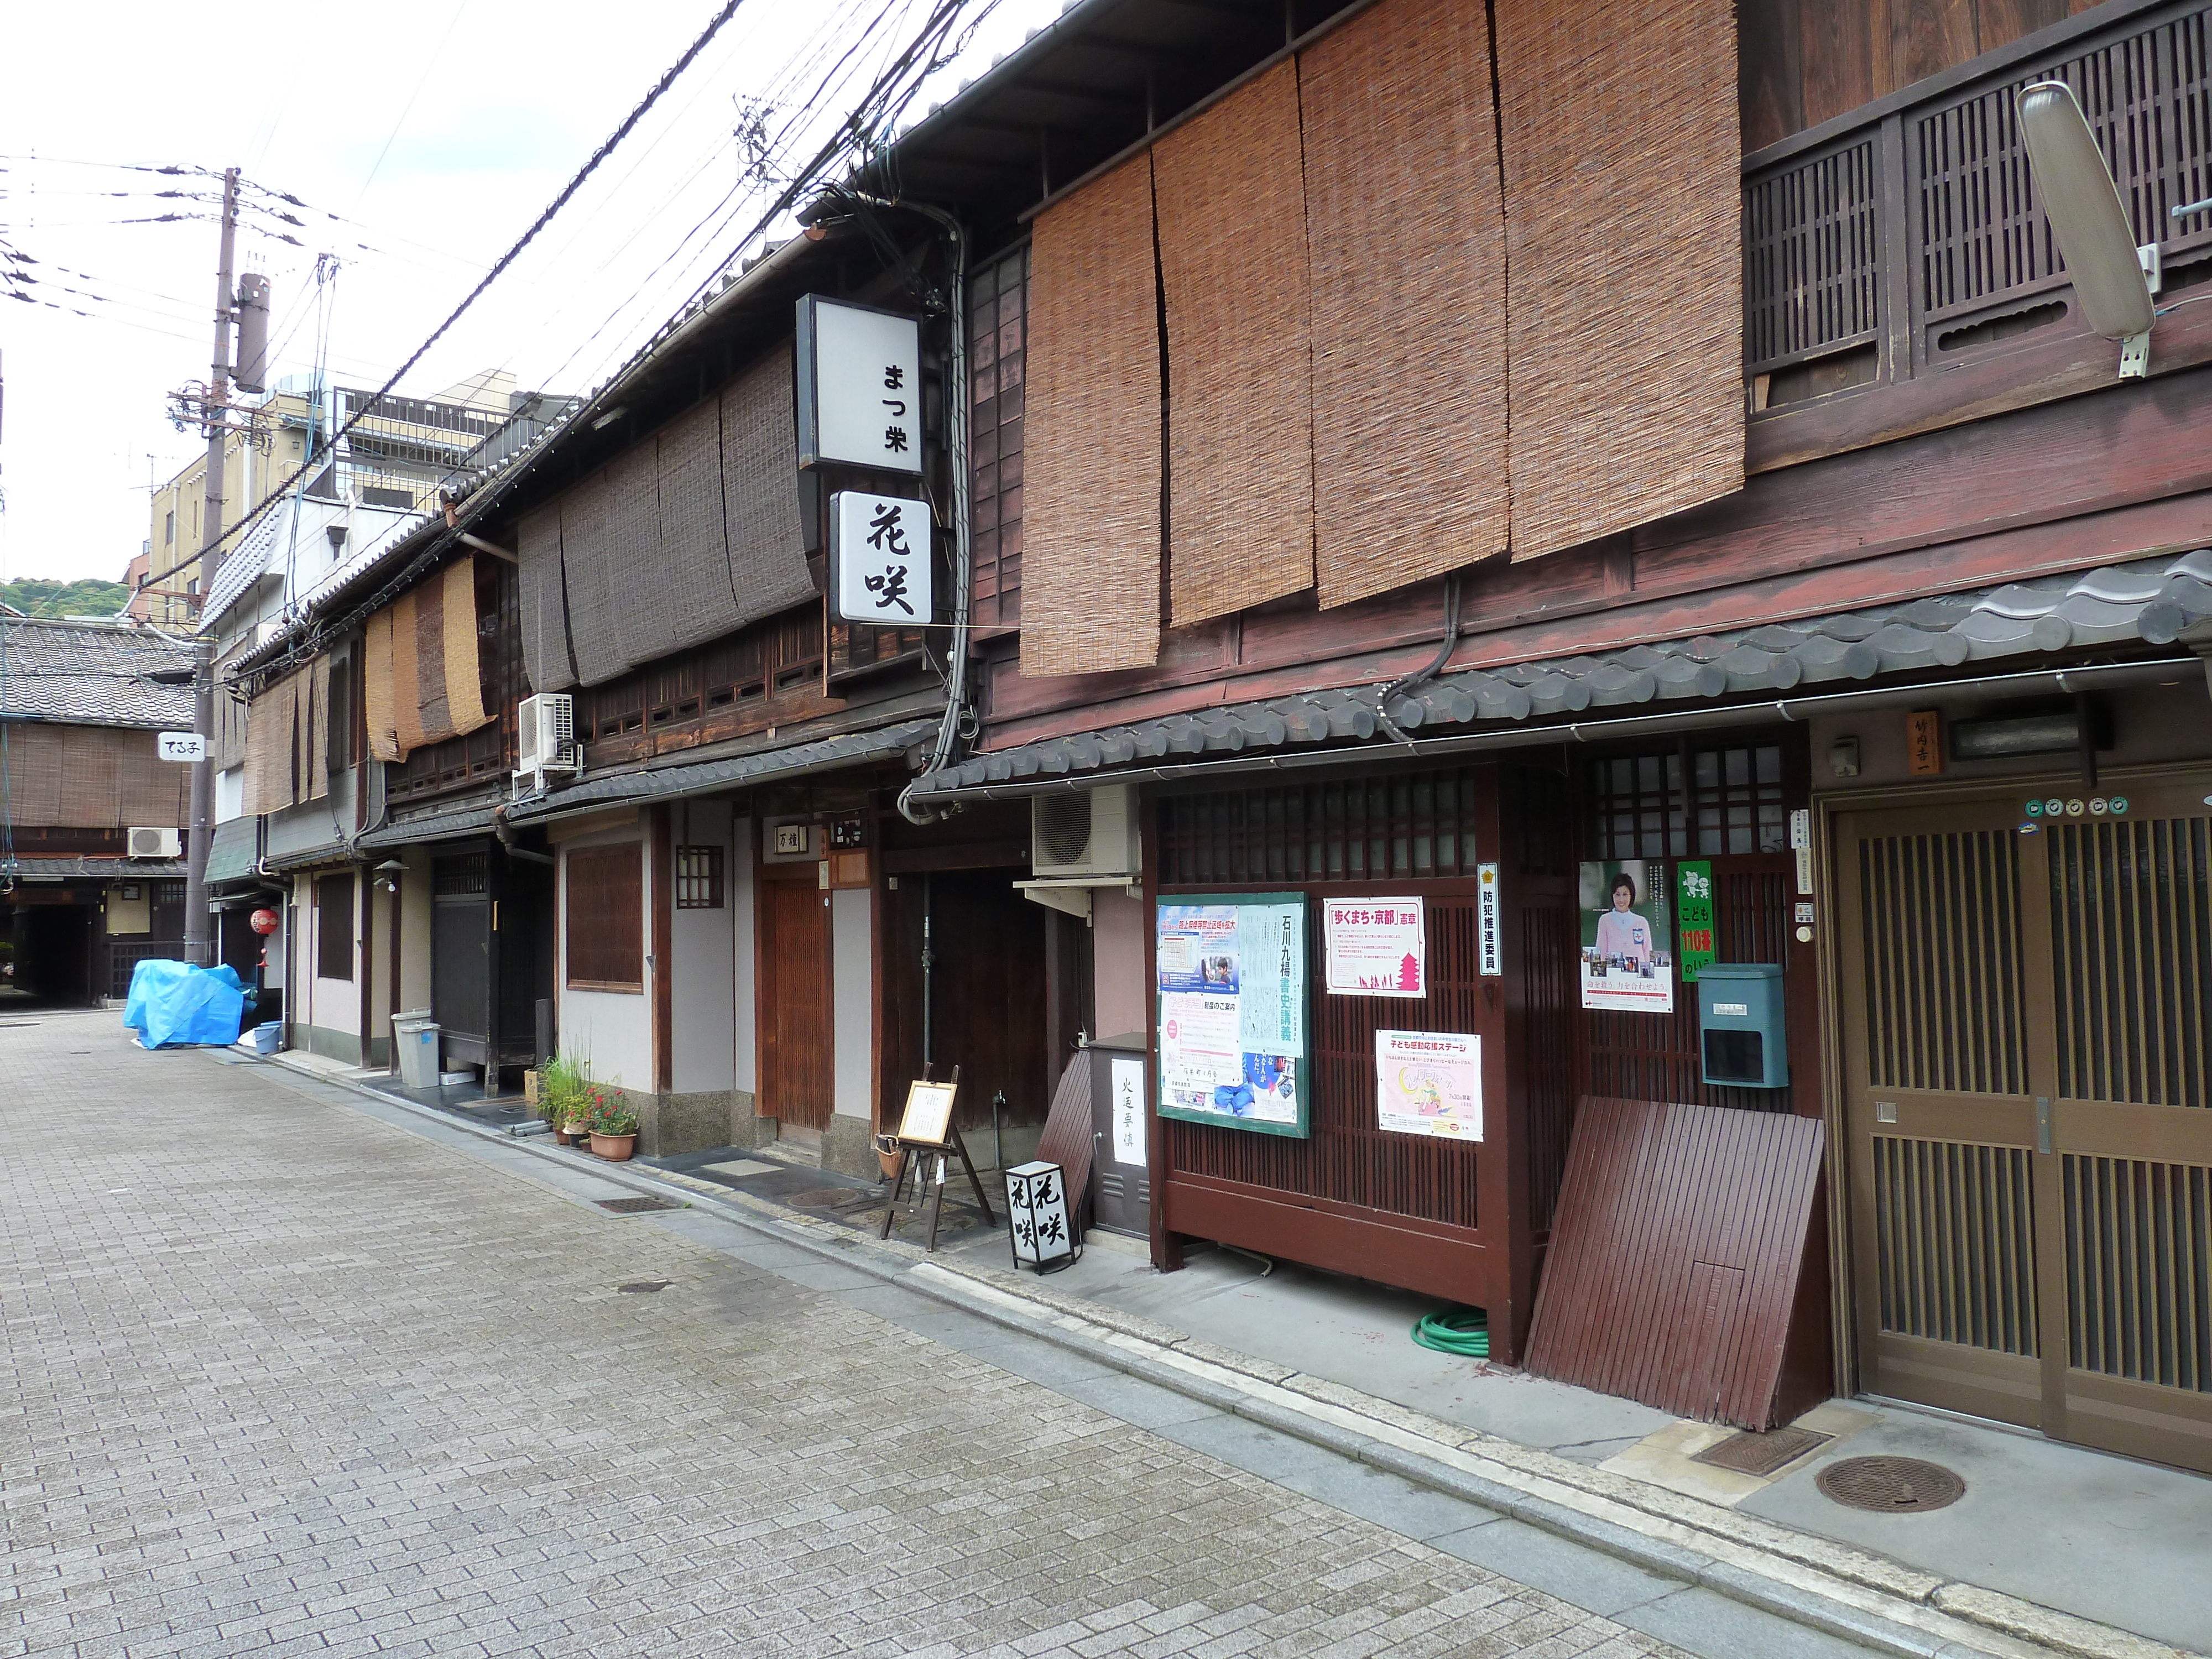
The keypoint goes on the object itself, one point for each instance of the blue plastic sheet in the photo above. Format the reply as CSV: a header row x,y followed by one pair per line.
x,y
174,1004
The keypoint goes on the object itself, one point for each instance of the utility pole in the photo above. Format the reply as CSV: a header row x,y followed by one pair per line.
x,y
198,942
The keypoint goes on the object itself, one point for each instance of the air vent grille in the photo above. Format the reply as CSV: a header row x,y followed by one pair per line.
x,y
1063,829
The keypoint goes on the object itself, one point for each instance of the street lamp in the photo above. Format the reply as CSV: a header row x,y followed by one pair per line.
x,y
2113,277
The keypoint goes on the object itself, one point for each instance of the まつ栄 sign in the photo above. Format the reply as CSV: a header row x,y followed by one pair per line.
x,y
1232,976
1377,947
1429,1083
1628,937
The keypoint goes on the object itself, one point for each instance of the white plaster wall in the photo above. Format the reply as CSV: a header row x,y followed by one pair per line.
x,y
1117,964
744,1063
610,1031
230,794
415,919
702,989
852,979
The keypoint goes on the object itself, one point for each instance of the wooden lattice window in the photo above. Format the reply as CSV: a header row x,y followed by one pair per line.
x,y
334,930
1685,803
1420,824
605,931
998,339
698,877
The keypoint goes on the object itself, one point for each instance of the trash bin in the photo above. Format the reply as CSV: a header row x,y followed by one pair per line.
x,y
416,1034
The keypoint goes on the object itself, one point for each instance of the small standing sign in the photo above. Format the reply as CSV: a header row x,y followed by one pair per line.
x,y
1036,1213
927,1136
879,559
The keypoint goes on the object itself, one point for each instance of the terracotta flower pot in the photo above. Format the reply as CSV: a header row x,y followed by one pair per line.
x,y
616,1149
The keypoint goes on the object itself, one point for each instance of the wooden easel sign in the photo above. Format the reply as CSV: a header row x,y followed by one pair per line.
x,y
926,1132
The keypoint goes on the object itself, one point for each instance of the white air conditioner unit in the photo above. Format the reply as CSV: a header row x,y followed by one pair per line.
x,y
1087,836
156,843
548,738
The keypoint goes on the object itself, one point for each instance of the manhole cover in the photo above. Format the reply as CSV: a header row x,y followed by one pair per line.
x,y
636,1205
646,1287
1891,1486
827,1197
1761,1453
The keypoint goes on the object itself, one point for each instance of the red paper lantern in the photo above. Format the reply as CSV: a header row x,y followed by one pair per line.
x,y
265,922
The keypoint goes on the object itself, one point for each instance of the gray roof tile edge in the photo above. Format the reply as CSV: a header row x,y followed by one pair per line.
x,y
2154,601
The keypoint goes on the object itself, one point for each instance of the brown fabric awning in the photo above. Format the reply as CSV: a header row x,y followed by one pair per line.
x,y
90,777
1408,352
272,735
318,780
766,571
430,603
589,563
1624,241
1233,254
1091,535
464,646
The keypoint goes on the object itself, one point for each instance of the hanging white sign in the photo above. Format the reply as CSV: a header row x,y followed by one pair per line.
x,y
180,746
1377,947
879,559
1129,1112
1487,952
859,386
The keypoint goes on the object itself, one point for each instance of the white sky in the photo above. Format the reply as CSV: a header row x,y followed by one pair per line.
x,y
487,108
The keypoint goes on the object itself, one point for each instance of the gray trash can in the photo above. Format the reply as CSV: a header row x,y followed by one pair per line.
x,y
416,1034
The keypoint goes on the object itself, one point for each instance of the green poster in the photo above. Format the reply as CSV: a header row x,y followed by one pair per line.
x,y
1693,915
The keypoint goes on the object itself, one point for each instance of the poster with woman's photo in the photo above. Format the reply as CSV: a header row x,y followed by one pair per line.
x,y
1628,937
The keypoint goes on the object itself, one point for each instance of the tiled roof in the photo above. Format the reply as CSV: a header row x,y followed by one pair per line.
x,y
854,749
443,823
111,869
94,674
2144,602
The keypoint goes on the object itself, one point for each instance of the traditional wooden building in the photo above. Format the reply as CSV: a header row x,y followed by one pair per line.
x,y
1501,468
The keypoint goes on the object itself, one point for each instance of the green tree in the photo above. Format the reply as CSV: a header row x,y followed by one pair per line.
x,y
41,596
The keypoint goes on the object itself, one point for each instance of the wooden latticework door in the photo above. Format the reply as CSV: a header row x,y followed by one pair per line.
x,y
2027,1012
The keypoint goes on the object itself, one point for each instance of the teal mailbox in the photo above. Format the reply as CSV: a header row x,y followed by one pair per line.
x,y
1741,1040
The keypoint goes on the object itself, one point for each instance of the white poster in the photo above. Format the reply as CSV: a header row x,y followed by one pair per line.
x,y
879,552
1201,1048
1377,947
1232,980
1429,1083
1129,1112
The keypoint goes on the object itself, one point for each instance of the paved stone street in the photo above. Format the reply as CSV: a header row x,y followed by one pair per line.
x,y
283,1377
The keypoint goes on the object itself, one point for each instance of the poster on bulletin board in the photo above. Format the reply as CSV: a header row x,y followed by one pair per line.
x,y
1231,982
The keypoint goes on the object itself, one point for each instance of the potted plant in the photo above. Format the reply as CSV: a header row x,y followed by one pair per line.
x,y
564,1098
613,1128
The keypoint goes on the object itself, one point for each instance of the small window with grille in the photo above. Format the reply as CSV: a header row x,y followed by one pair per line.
x,y
1684,802
698,877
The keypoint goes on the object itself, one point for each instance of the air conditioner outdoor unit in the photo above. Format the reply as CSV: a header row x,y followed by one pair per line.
x,y
548,737
1088,834
156,843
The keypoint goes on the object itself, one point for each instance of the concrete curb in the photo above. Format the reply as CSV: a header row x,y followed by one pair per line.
x,y
1843,1591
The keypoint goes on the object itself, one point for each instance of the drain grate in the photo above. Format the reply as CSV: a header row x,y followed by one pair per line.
x,y
827,1197
635,1206
1891,1486
646,1287
1761,1454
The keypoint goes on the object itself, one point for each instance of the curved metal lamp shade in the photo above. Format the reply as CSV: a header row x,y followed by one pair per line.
x,y
2083,204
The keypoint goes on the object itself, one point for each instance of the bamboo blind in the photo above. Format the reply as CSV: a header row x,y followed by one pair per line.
x,y
430,661
544,594
1407,247
91,772
697,600
1091,533
406,678
1624,310
589,565
272,725
149,790
34,773
1233,248
766,571
318,780
644,604
464,660
379,703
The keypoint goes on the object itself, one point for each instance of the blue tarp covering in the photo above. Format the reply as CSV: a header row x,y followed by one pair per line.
x,y
173,1003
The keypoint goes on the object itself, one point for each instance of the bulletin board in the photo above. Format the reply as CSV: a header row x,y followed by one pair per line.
x,y
1230,978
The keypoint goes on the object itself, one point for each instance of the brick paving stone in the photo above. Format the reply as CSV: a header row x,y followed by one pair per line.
x,y
312,1383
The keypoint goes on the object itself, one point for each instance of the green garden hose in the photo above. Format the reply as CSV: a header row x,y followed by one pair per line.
x,y
1463,1331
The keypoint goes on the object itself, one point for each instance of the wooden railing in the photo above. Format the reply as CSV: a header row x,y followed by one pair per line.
x,y
1886,246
